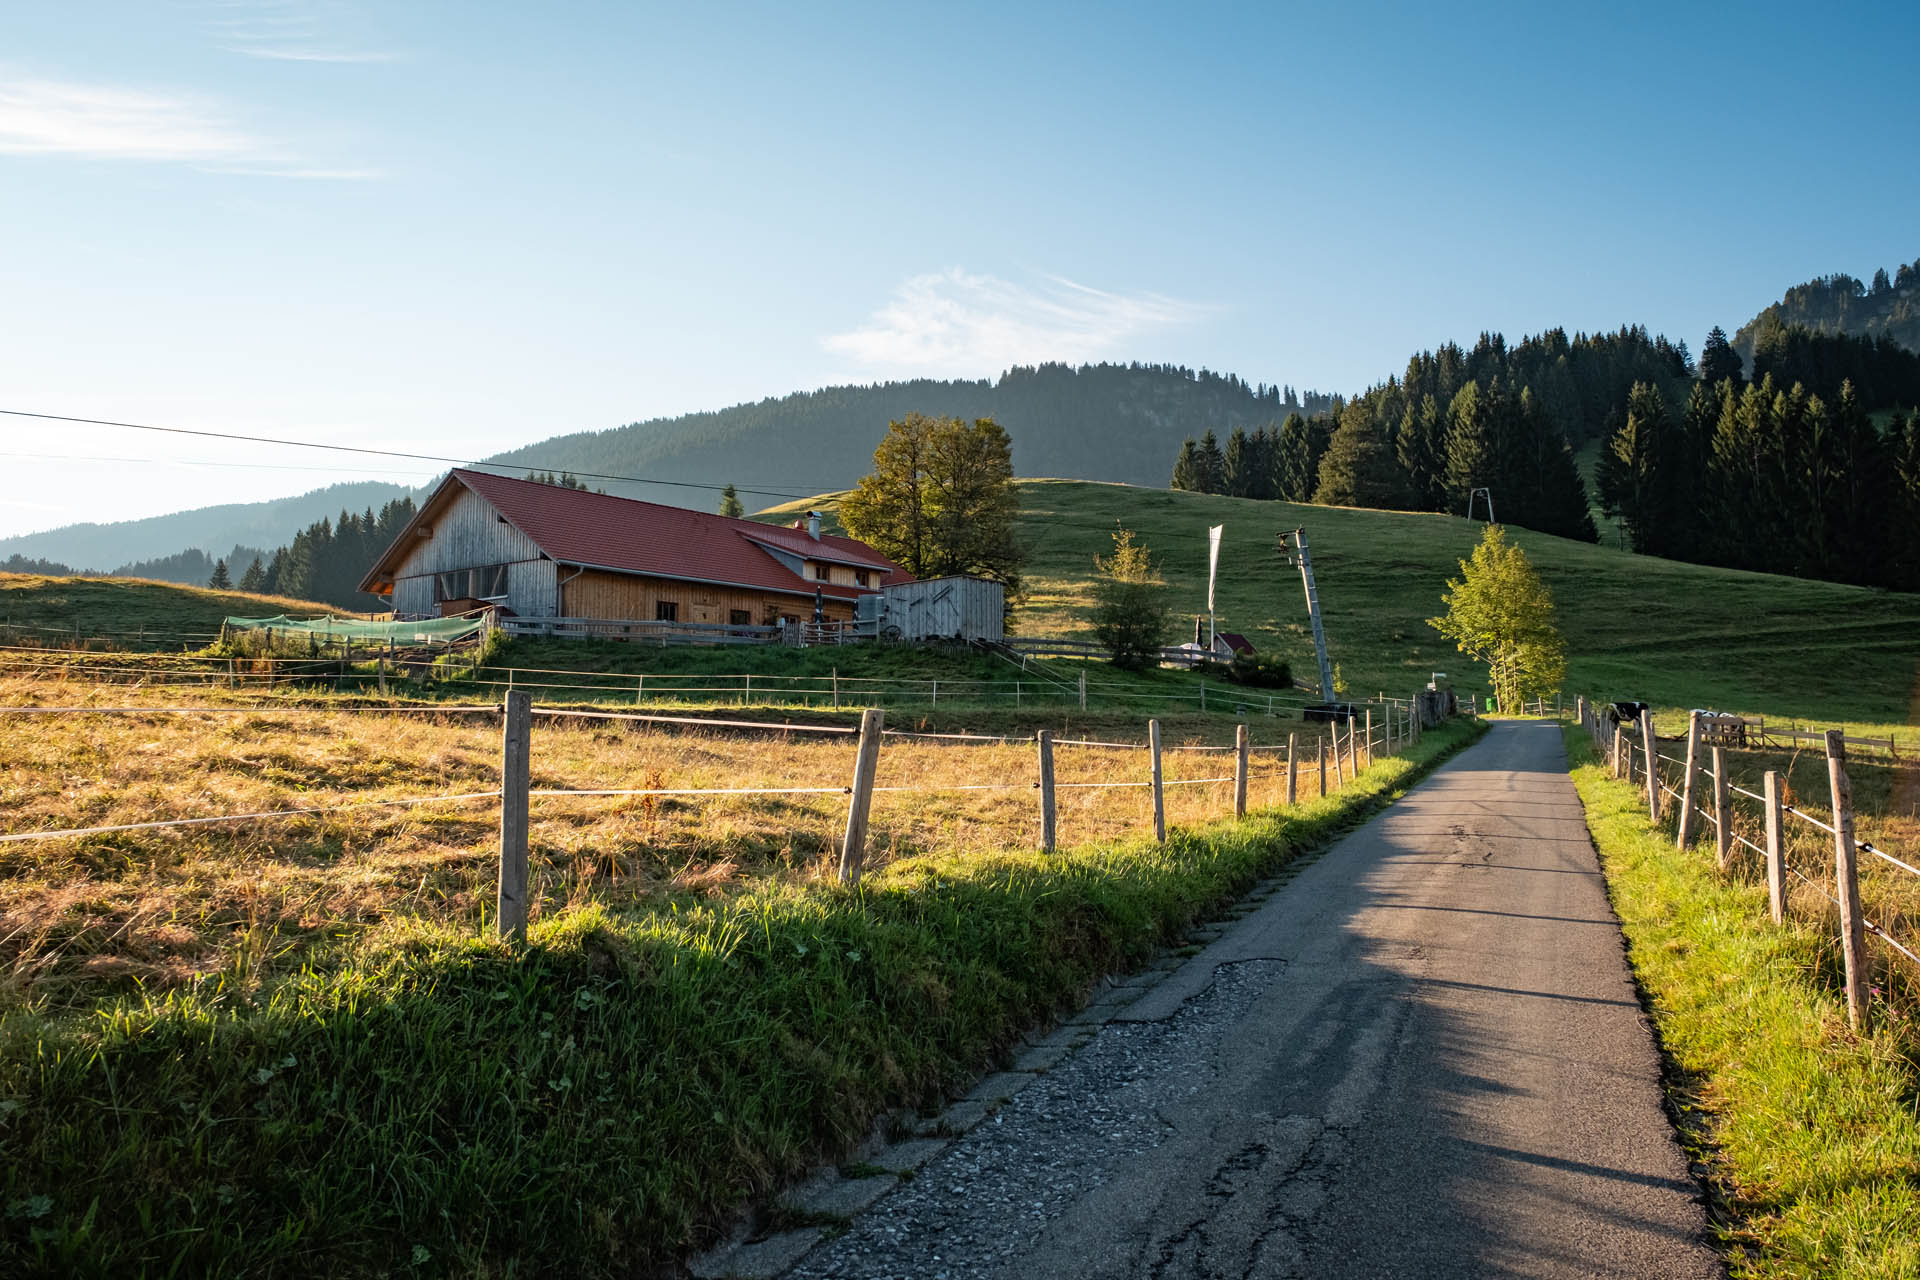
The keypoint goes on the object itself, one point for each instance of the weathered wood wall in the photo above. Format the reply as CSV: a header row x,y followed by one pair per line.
x,y
609,595
468,534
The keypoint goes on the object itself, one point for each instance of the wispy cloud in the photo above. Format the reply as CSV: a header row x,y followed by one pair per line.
x,y
294,31
48,117
306,55
956,322
51,117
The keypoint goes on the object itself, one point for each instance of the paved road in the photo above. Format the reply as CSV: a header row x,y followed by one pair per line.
x,y
1422,1058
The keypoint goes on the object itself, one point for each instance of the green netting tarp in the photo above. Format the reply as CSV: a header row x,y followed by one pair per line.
x,y
428,631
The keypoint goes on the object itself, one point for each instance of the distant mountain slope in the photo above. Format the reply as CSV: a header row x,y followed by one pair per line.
x,y
1098,422
99,548
1889,307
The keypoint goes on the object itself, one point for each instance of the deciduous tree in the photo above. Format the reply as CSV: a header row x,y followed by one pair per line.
x,y
1499,612
940,499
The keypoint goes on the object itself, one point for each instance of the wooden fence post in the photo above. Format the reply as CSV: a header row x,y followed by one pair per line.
x,y
1853,932
1684,830
1653,763
1369,763
1339,771
1722,820
1293,770
836,688
516,749
866,762
1083,689
1240,747
1776,852
1320,741
1159,792
1619,735
1047,811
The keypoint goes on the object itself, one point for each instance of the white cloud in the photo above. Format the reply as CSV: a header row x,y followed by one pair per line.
x,y
48,117
44,117
306,55
954,322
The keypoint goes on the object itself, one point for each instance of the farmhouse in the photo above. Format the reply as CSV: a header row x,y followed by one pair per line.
x,y
543,551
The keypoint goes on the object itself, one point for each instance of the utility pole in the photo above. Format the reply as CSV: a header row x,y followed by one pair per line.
x,y
1297,554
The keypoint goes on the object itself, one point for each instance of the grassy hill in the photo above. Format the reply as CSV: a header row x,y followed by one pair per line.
x,y
1680,635
165,614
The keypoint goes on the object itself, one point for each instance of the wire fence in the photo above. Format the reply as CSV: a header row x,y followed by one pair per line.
x,y
1330,757
1699,781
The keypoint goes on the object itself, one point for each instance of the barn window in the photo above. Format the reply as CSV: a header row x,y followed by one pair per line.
x,y
860,577
488,582
666,611
739,618
819,571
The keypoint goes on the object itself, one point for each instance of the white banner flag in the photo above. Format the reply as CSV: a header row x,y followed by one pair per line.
x,y
1213,560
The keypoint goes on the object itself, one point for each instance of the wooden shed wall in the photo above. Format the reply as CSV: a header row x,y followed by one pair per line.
x,y
595,594
470,534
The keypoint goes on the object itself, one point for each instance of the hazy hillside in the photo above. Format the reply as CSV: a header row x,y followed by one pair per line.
x,y
100,548
1100,422
1889,307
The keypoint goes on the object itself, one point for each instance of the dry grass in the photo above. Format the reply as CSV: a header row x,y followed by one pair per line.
x,y
86,916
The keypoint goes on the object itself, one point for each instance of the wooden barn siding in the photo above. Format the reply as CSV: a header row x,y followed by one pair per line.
x,y
616,595
467,535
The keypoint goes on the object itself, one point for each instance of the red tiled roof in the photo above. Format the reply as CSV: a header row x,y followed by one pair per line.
x,y
578,527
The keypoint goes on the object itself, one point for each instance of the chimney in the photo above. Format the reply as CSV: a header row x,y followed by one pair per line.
x,y
813,525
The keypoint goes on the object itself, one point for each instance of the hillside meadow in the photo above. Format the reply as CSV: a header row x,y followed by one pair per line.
x,y
1678,635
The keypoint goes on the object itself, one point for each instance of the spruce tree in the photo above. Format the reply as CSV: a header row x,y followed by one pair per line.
x,y
220,581
1293,462
1719,362
1186,468
1237,466
255,578
1638,480
1359,469
1553,496
730,504
1211,464
1903,441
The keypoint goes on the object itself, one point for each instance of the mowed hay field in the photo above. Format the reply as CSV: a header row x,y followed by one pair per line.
x,y
1678,635
38,609
295,1045
147,910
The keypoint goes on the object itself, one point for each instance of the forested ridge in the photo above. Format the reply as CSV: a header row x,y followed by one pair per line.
x,y
1887,307
1780,467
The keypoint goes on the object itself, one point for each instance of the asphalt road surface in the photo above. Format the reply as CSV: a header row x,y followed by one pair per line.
x,y
1422,1058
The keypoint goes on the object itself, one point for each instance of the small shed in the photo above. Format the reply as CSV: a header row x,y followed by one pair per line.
x,y
958,607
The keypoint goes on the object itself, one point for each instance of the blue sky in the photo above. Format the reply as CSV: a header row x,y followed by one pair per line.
x,y
456,228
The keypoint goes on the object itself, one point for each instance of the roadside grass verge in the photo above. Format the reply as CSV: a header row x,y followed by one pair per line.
x,y
1809,1132
597,1103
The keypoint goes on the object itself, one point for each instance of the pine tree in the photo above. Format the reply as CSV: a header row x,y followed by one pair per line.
x,y
1237,466
1294,464
1553,497
1637,477
255,578
1211,464
220,581
1903,441
1420,446
1186,468
1718,360
1359,469
730,504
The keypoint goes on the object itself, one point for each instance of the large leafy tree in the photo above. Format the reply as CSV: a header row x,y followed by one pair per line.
x,y
940,499
1130,611
1500,613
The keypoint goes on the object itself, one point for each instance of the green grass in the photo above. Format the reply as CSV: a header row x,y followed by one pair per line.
x,y
1678,635
1810,1132
136,612
596,1104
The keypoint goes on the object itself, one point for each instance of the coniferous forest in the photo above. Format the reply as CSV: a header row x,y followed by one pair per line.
x,y
1775,464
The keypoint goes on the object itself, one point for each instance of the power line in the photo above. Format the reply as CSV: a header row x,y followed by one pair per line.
x,y
395,453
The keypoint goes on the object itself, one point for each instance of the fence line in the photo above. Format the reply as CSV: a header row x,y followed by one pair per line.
x,y
1854,924
1397,731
